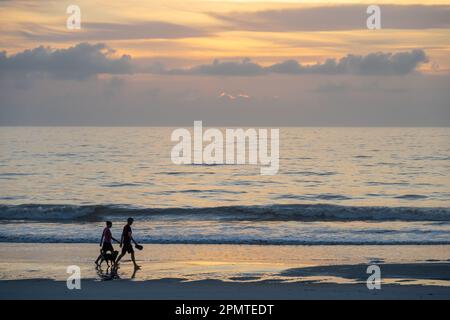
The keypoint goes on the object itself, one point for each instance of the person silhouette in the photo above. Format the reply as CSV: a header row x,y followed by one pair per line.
x,y
106,242
125,243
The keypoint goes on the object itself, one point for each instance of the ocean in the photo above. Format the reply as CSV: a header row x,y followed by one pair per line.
x,y
338,186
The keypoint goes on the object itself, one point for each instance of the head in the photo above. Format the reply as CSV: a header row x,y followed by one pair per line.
x,y
130,221
108,224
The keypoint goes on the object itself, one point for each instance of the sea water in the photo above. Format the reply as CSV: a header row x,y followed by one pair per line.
x,y
334,186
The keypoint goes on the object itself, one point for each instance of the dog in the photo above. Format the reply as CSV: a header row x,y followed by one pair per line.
x,y
108,257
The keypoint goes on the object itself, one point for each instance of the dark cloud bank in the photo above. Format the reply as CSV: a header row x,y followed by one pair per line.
x,y
372,64
88,60
79,62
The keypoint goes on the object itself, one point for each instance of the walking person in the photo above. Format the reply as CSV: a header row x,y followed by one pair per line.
x,y
106,242
125,243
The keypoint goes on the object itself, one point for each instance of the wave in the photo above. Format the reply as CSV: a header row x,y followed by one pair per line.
x,y
311,173
411,197
221,241
281,212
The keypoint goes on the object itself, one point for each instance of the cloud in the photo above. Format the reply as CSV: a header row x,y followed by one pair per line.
x,y
337,17
86,60
379,63
232,96
78,62
96,31
372,64
228,68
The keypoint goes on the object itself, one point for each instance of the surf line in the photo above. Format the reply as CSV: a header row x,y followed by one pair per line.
x,y
241,146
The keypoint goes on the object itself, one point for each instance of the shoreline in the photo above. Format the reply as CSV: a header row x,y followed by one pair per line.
x,y
255,244
39,271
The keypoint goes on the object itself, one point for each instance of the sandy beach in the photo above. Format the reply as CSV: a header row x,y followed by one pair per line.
x,y
176,289
38,271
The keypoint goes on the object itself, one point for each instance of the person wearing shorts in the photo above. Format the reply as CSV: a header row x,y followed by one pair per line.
x,y
126,243
106,241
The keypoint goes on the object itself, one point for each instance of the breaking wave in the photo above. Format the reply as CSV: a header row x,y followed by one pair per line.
x,y
288,212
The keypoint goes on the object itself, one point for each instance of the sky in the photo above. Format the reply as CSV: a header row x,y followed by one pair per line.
x,y
227,63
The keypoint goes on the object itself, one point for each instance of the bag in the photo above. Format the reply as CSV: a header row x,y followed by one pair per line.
x,y
138,246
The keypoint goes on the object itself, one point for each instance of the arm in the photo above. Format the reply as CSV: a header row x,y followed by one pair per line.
x,y
131,237
121,240
115,239
101,240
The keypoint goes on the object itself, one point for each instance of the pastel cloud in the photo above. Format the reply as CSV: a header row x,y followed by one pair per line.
x,y
86,60
79,62
337,17
379,63
99,31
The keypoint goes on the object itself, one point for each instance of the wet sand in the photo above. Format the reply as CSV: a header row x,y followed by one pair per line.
x,y
39,271
212,289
